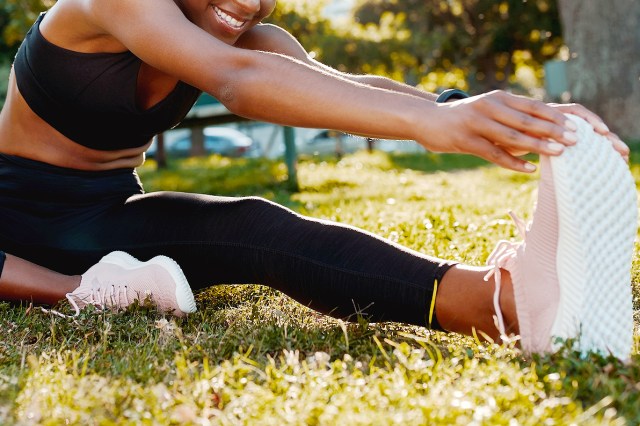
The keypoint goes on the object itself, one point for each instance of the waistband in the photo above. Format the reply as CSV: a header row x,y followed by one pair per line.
x,y
23,177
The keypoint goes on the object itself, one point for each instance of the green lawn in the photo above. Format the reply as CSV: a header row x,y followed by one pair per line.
x,y
250,355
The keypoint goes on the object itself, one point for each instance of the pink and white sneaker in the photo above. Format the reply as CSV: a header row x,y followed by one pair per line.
x,y
571,273
119,279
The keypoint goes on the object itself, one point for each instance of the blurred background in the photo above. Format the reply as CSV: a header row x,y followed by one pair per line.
x,y
585,51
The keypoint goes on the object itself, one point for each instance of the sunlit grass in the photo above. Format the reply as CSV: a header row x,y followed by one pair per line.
x,y
251,355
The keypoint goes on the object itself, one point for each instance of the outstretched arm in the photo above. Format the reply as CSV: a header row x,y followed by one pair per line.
x,y
274,87
271,38
275,39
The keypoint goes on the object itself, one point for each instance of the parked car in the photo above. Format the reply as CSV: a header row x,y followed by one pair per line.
x,y
329,142
224,141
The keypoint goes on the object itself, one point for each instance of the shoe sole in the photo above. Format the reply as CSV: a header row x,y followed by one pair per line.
x,y
184,295
597,218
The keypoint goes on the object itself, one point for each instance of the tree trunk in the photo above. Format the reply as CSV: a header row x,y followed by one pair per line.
x,y
604,66
197,142
161,156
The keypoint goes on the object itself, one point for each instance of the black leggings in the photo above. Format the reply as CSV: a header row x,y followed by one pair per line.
x,y
67,220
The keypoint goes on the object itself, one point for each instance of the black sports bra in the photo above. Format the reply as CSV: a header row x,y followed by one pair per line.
x,y
90,97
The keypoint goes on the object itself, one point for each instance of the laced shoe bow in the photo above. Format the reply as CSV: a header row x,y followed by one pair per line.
x,y
504,257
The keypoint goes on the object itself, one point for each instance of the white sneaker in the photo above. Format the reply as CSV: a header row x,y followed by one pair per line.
x,y
119,279
571,273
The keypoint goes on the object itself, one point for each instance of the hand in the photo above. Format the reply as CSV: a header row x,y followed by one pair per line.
x,y
598,125
499,126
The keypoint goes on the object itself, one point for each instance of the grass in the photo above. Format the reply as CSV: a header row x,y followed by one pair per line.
x,y
251,355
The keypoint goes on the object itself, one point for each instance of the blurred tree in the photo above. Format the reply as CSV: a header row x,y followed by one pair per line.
x,y
304,20
5,57
604,66
5,50
355,48
16,16
486,39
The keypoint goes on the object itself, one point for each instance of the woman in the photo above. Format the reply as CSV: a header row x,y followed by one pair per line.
x,y
94,80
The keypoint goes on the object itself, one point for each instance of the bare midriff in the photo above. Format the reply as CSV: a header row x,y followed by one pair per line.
x,y
25,134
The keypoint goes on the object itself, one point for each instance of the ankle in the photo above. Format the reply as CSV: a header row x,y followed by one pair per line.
x,y
508,304
464,303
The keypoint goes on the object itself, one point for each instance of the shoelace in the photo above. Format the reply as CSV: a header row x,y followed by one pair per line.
x,y
503,257
100,294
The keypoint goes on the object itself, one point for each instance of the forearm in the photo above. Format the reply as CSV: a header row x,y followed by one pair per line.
x,y
377,81
304,96
389,84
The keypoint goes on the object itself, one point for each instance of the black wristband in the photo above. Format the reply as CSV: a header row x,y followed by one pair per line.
x,y
450,94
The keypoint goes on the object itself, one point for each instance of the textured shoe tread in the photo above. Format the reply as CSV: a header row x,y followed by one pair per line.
x,y
597,211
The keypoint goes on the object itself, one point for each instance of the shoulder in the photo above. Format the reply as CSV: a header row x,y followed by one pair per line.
x,y
70,24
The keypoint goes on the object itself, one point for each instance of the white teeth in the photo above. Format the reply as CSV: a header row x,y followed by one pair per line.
x,y
233,22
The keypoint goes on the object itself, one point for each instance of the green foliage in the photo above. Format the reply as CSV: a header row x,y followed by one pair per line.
x,y
16,16
478,45
5,68
485,39
221,176
251,355
304,21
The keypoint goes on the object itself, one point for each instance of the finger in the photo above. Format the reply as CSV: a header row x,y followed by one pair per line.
x,y
594,119
513,140
619,145
493,153
534,127
589,116
540,110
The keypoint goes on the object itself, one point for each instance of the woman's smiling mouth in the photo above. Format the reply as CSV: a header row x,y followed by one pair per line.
x,y
228,19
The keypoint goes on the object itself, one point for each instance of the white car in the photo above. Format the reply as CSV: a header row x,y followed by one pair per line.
x,y
224,141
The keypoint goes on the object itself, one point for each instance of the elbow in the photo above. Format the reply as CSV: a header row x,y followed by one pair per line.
x,y
235,85
235,99
227,94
